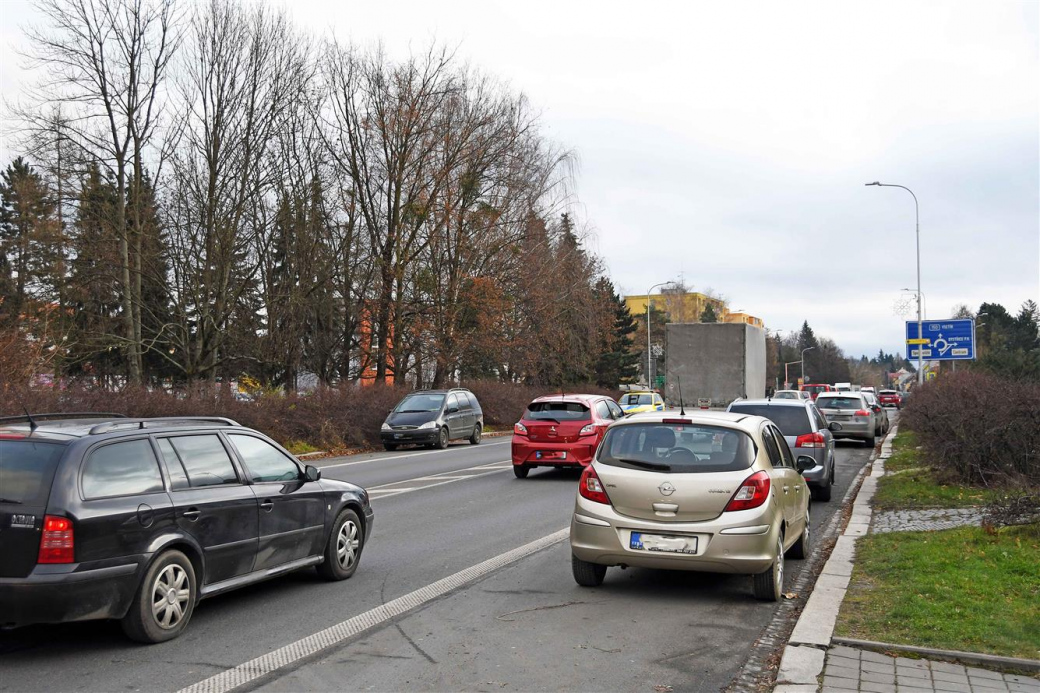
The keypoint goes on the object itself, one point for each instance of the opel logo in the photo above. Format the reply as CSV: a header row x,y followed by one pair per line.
x,y
666,488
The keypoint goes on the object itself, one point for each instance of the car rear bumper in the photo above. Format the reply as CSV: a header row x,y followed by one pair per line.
x,y
863,428
48,595
540,454
600,535
415,435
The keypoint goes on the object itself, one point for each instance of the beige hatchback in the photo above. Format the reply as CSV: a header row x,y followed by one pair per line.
x,y
710,491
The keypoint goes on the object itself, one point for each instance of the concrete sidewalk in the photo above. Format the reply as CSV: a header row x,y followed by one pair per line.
x,y
811,654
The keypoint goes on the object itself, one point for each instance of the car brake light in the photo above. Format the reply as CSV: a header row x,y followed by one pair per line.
x,y
862,413
751,494
588,430
56,543
590,488
810,440
677,421
520,429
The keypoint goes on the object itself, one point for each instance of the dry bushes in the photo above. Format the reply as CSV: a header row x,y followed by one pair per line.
x,y
979,429
326,418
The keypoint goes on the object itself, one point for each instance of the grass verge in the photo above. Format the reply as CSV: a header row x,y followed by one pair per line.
x,y
959,589
911,484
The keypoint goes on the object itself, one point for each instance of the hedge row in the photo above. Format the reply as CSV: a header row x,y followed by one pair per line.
x,y
326,418
979,428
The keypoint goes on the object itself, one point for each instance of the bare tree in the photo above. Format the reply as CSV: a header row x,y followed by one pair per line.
x,y
105,62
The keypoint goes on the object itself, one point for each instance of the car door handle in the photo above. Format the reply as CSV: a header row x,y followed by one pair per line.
x,y
267,505
192,514
786,488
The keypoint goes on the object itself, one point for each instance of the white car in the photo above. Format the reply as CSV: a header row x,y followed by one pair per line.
x,y
792,394
709,491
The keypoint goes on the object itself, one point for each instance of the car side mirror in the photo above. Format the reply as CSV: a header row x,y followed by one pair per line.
x,y
312,473
834,426
453,410
804,463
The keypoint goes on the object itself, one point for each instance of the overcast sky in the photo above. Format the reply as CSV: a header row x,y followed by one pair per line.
x,y
729,142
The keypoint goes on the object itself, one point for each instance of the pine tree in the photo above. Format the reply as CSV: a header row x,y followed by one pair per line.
x,y
28,235
709,314
617,364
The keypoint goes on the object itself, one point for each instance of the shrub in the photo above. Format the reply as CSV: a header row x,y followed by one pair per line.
x,y
326,418
979,428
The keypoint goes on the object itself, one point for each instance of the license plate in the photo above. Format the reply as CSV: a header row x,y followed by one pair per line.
x,y
662,543
540,455
398,435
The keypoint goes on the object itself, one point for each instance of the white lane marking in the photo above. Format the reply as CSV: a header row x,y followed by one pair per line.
x,y
414,454
391,489
312,644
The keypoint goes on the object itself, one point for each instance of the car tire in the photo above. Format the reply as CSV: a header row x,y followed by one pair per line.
x,y
587,574
801,548
870,442
521,471
390,447
343,548
769,585
474,439
173,575
824,493
442,439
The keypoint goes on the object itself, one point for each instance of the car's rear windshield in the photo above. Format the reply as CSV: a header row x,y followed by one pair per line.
x,y
420,403
635,400
886,392
786,394
557,411
677,448
792,421
26,471
839,402
816,389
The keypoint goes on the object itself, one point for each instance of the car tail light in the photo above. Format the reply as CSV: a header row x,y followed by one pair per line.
x,y
862,413
810,440
519,429
751,494
56,543
590,488
677,421
588,430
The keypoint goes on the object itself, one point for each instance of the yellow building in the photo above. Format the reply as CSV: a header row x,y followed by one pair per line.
x,y
687,307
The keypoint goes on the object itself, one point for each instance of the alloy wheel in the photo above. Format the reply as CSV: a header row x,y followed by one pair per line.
x,y
170,595
347,543
780,565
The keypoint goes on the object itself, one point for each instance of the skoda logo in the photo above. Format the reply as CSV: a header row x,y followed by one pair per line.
x,y
666,488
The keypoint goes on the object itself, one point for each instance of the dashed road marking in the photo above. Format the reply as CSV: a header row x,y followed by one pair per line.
x,y
422,453
313,644
396,488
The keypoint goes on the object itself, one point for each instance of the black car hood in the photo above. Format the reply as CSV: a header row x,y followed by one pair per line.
x,y
403,419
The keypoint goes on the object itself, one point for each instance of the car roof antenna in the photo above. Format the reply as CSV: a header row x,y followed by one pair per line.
x,y
682,407
32,422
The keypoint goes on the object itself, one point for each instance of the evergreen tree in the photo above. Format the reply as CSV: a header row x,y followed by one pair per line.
x,y
709,314
28,238
617,364
806,338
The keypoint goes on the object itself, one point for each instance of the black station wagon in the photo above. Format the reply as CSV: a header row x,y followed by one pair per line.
x,y
104,517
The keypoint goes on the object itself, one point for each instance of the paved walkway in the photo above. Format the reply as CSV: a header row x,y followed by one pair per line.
x,y
925,520
851,669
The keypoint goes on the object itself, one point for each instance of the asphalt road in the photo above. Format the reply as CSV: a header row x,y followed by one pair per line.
x,y
526,626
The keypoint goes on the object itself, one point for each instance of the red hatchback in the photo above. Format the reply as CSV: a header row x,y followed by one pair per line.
x,y
890,398
561,431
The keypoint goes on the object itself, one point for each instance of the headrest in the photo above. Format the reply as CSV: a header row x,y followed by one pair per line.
x,y
661,437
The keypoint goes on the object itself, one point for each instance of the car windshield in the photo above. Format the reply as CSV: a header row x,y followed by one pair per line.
x,y
792,421
637,399
420,403
786,394
26,471
839,402
677,448
557,411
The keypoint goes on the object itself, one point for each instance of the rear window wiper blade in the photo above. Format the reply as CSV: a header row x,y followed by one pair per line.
x,y
11,501
647,465
546,418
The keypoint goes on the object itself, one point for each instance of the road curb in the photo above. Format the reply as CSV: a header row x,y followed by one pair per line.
x,y
1031,665
800,664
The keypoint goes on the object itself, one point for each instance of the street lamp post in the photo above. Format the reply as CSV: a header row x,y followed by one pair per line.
x,y
803,362
649,383
920,295
917,229
787,378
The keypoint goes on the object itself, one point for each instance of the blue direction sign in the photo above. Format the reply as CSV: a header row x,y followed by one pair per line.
x,y
941,340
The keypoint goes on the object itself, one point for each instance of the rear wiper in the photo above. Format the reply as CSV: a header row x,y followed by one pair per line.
x,y
12,501
547,418
647,465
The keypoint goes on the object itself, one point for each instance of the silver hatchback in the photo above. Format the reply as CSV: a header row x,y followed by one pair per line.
x,y
852,411
709,491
